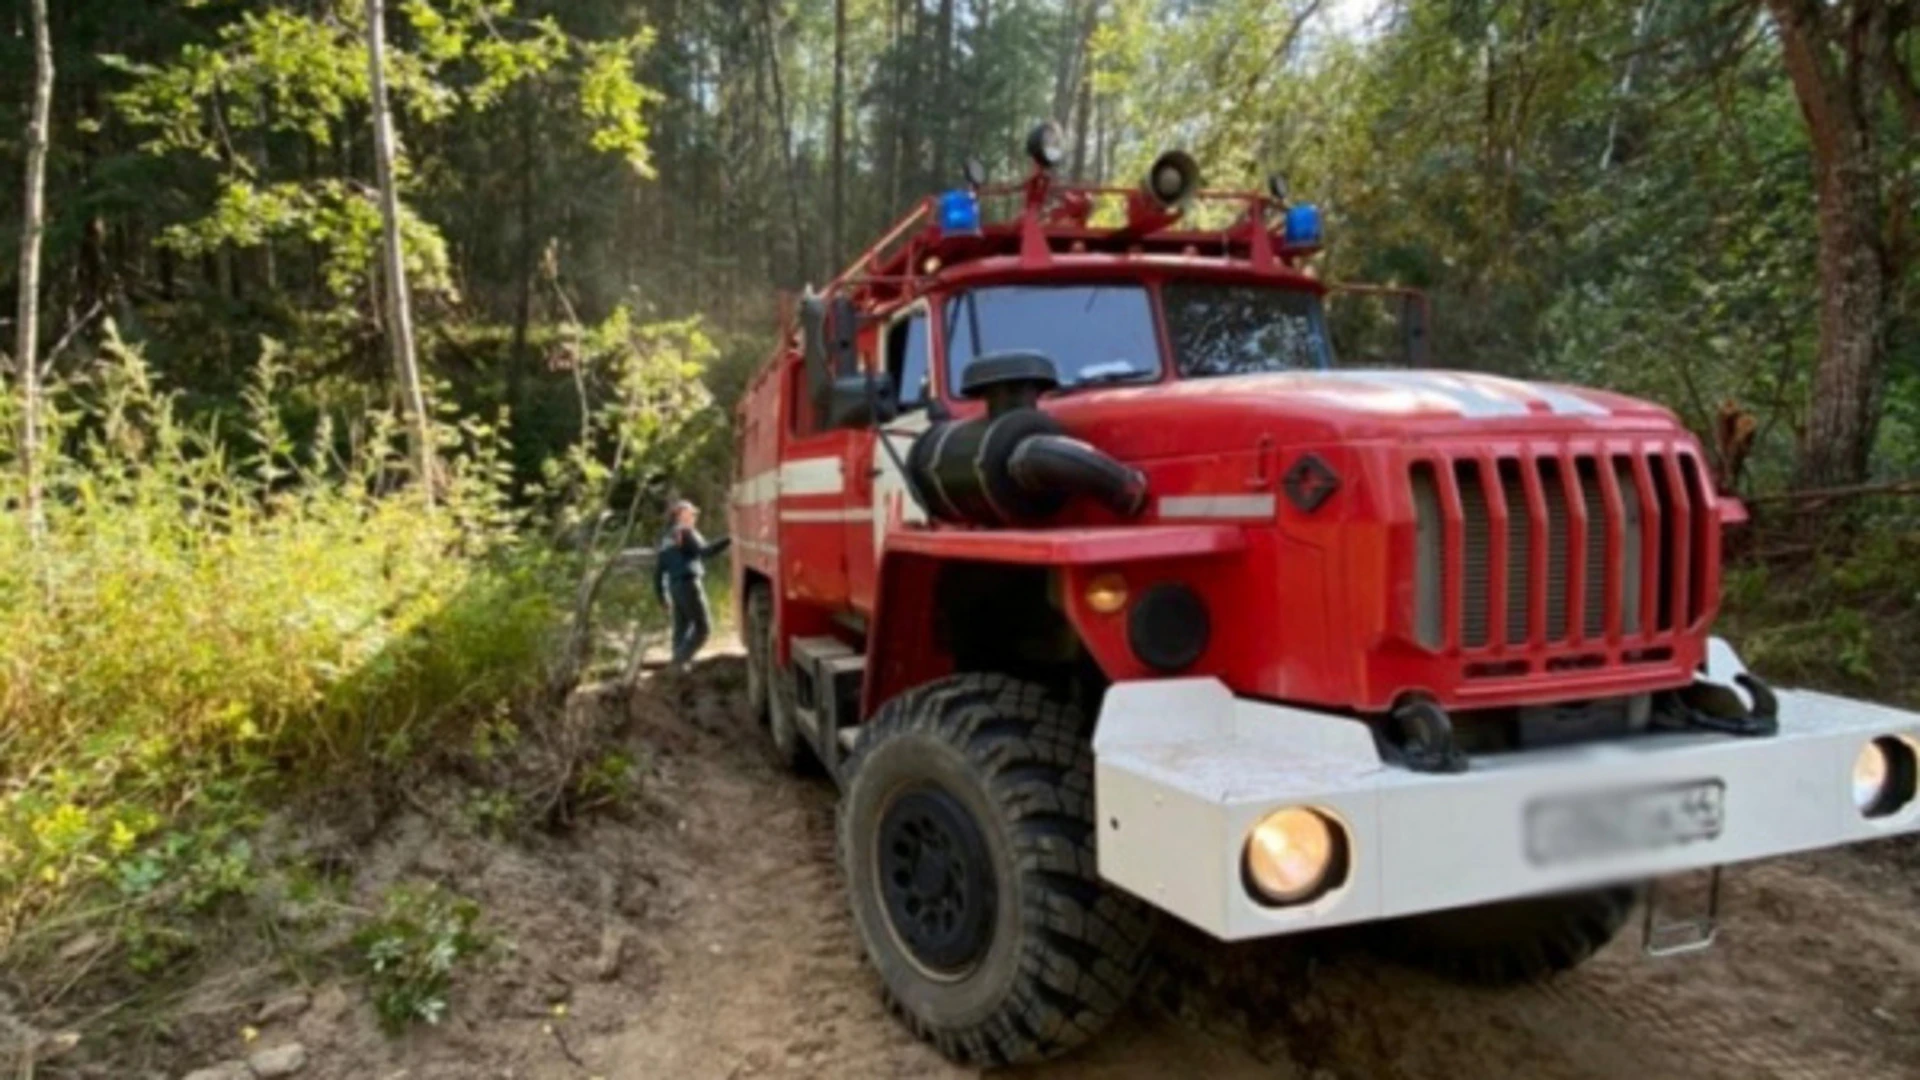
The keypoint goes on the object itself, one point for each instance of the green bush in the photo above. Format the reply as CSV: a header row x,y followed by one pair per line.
x,y
196,620
408,954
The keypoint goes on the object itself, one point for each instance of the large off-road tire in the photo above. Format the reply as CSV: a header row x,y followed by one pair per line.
x,y
770,689
1514,941
967,839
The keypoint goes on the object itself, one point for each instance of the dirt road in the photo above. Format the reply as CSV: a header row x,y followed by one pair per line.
x,y
733,957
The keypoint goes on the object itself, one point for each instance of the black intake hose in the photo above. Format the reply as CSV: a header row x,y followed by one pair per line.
x,y
1014,466
1061,463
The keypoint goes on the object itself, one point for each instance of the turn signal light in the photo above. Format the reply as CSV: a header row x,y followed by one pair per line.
x,y
1107,594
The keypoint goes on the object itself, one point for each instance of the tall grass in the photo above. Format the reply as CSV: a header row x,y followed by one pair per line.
x,y
202,618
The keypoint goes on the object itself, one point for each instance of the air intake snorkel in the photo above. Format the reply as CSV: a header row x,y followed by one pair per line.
x,y
1015,466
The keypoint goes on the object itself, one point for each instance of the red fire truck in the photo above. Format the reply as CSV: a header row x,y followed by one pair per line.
x,y
1071,552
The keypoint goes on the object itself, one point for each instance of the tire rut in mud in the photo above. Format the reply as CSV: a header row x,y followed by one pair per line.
x,y
1818,973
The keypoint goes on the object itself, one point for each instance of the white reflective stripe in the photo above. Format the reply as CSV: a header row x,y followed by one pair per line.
x,y
1457,392
812,476
855,513
756,547
758,489
1217,506
1476,396
1566,404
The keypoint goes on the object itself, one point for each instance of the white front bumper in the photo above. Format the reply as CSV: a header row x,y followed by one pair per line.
x,y
1184,770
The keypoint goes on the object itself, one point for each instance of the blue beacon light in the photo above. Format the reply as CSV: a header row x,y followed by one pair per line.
x,y
1304,228
960,213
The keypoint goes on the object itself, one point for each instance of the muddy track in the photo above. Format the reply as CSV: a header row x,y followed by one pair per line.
x,y
1817,974
700,931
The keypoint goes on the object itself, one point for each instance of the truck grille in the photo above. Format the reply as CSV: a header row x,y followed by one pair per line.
x,y
1513,550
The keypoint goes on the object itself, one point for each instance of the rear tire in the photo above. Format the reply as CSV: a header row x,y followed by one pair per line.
x,y
1514,941
758,634
770,689
966,834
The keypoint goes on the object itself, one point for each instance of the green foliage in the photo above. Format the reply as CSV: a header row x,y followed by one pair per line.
x,y
197,625
1845,618
409,954
649,418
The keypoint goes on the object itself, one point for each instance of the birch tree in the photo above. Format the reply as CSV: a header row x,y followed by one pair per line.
x,y
399,304
26,350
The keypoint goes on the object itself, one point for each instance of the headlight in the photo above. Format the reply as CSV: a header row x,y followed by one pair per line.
x,y
1295,855
1883,777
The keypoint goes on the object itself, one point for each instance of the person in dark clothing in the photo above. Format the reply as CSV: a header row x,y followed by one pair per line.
x,y
679,580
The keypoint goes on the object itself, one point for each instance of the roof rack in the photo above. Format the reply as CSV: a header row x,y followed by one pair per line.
x,y
1057,219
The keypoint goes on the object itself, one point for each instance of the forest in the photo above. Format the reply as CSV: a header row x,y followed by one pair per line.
x,y
261,522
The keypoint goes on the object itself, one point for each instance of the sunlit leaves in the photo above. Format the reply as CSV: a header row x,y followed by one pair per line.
x,y
302,70
615,102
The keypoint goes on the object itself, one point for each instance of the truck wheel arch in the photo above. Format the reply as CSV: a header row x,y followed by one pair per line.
x,y
935,617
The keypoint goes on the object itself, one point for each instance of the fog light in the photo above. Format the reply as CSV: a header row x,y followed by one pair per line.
x,y
1884,775
1107,593
1169,627
1293,856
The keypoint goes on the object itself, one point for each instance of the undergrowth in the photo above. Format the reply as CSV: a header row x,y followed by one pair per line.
x,y
1840,611
198,623
410,951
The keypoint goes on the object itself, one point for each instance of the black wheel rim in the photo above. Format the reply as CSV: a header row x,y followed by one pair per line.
x,y
937,881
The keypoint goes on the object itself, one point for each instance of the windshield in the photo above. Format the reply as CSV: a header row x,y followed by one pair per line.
x,y
1244,329
1092,333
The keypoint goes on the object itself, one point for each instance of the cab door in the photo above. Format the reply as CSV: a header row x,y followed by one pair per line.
x,y
906,351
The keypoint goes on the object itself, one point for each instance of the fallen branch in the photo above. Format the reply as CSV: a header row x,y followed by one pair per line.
x,y
1849,491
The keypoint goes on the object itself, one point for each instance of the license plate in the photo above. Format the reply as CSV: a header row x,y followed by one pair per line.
x,y
1572,828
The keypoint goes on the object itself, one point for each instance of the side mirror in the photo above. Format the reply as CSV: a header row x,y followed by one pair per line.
x,y
1413,326
813,348
862,400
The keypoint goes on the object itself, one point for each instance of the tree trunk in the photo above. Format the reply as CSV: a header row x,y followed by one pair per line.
x,y
26,350
837,239
1838,89
803,262
942,126
399,303
520,362
1844,412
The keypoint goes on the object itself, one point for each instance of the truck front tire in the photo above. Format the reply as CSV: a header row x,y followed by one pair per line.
x,y
966,833
1514,941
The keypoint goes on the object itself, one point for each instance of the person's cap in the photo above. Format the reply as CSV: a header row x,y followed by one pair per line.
x,y
684,504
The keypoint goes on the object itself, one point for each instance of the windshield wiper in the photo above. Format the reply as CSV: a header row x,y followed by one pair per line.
x,y
1111,378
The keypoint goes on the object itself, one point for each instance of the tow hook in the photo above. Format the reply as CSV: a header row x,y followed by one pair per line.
x,y
1419,736
1711,706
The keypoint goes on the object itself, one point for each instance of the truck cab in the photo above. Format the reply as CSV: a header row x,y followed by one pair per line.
x,y
1073,553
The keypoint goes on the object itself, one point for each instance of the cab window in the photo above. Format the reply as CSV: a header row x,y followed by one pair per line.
x,y
909,361
1094,334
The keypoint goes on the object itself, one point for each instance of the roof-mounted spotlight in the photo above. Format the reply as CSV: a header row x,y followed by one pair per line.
x,y
975,173
1173,179
1047,146
1277,188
